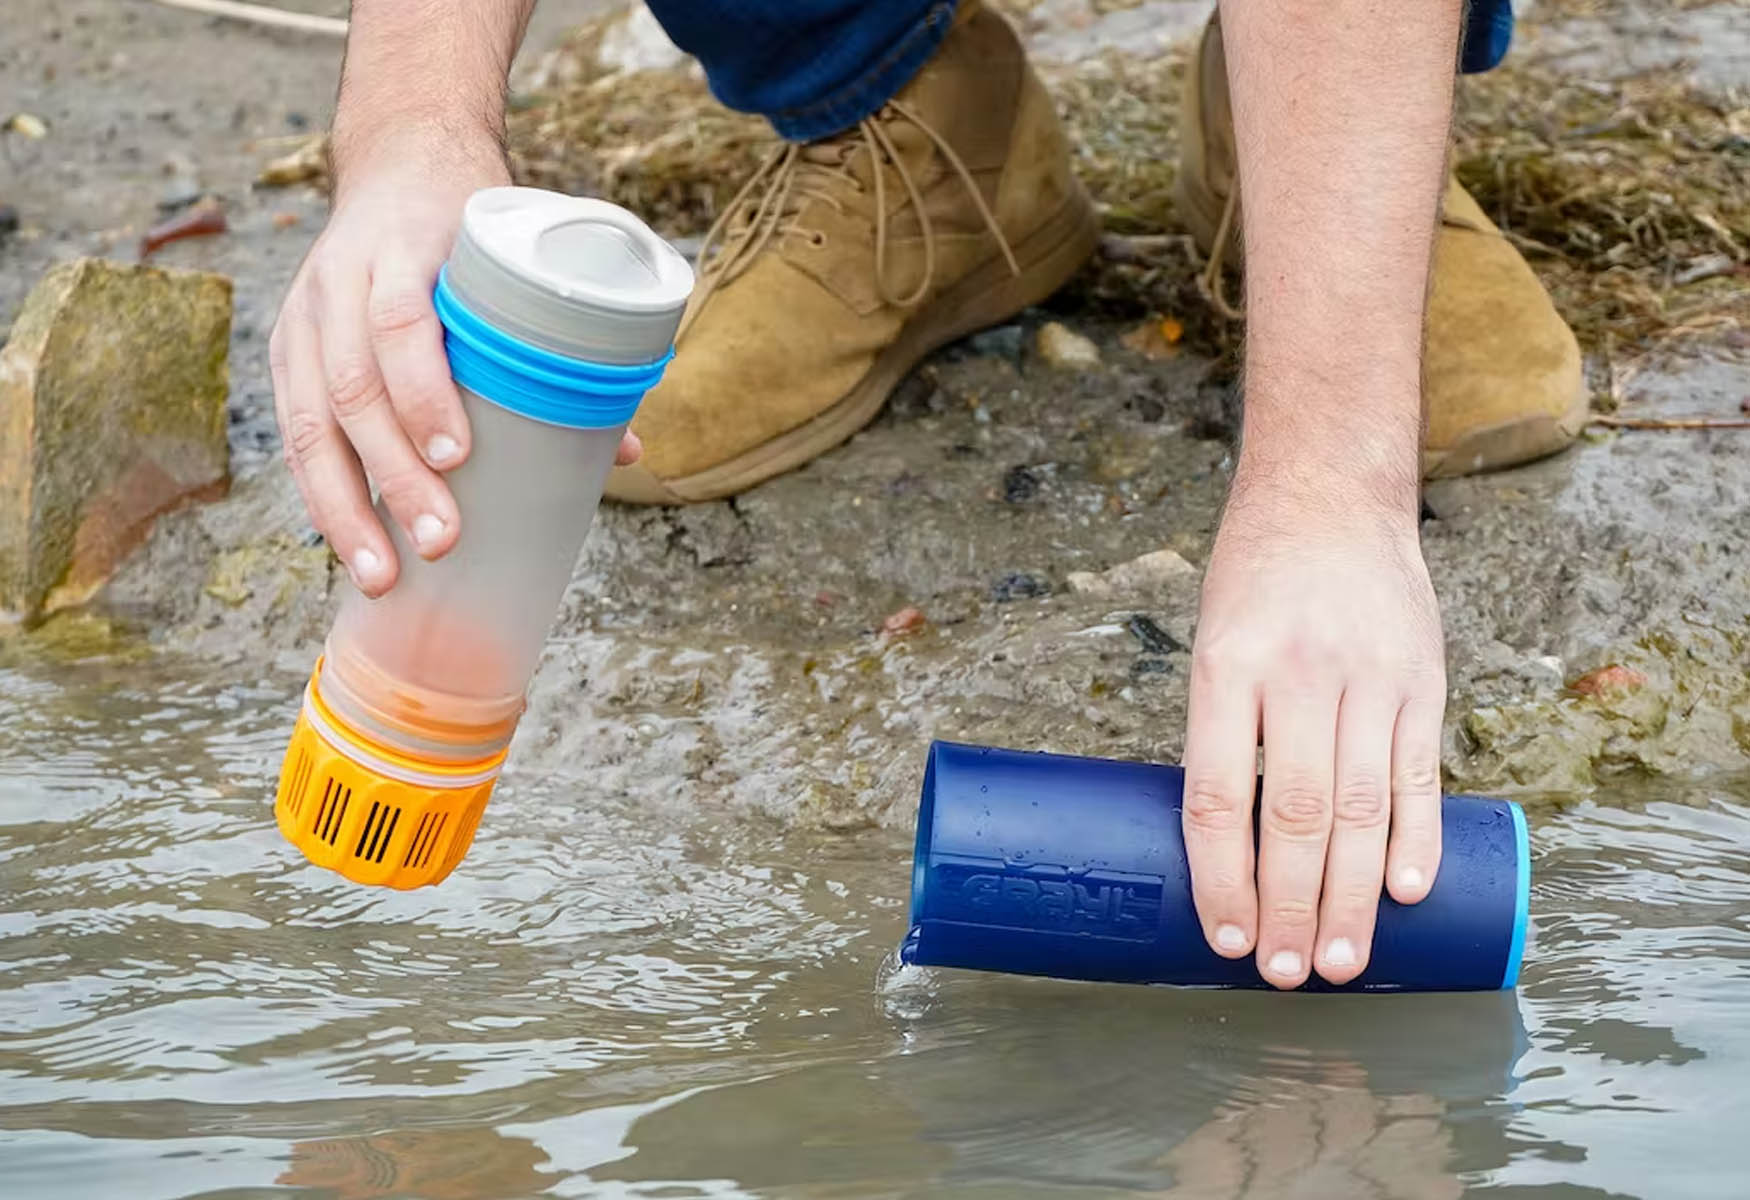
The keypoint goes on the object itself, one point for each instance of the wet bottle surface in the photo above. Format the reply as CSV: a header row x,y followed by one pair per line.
x,y
1045,864
559,314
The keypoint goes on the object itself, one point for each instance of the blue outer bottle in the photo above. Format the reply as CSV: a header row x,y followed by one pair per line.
x,y
1042,864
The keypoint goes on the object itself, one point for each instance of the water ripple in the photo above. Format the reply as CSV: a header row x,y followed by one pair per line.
x,y
621,995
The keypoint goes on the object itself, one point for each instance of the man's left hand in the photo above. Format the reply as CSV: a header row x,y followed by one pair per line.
x,y
1319,633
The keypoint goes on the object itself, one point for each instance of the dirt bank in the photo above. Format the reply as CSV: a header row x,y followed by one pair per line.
x,y
732,652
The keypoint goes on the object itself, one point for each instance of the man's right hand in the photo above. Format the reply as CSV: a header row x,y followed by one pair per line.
x,y
360,382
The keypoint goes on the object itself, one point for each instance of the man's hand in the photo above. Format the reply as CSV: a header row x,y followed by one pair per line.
x,y
1320,629
1319,632
361,384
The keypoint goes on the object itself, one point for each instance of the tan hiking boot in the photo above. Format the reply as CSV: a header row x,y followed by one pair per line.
x,y
845,261
1501,369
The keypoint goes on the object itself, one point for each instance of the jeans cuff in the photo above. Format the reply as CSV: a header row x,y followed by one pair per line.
x,y
865,95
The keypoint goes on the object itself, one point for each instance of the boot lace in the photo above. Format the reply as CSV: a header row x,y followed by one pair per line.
x,y
771,203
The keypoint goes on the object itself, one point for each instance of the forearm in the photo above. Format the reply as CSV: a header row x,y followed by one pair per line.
x,y
1341,113
426,66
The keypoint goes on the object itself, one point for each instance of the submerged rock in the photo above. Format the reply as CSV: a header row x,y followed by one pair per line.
x,y
112,411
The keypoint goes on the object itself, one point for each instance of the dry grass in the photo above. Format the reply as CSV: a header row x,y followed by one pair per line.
x,y
1631,199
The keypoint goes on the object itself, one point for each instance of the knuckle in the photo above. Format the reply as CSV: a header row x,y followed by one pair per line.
x,y
1291,914
396,312
304,435
1362,802
1298,808
1221,882
1355,898
1211,808
399,486
415,405
353,386
1416,781
1215,659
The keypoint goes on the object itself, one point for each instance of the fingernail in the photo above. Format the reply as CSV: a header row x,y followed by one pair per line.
x,y
1410,879
1285,963
1230,937
427,529
441,449
365,566
1340,953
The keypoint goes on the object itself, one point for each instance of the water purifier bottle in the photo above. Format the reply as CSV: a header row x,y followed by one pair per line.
x,y
559,313
1042,864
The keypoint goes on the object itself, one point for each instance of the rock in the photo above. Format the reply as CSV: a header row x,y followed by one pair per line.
x,y
308,162
1545,671
1002,342
112,411
636,42
8,220
26,125
179,192
1020,484
907,620
1156,338
1148,574
1614,680
1019,585
1065,349
1153,638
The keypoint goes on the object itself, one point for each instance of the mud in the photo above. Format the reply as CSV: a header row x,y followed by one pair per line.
x,y
731,654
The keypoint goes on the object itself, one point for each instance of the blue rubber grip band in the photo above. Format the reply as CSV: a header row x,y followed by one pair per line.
x,y
537,383
1522,896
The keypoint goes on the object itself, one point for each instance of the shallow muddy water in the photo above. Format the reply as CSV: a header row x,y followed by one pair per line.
x,y
625,996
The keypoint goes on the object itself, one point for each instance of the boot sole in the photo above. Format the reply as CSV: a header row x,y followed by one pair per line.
x,y
1510,443
990,294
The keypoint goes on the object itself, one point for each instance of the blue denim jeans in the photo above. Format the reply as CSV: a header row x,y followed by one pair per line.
x,y
815,67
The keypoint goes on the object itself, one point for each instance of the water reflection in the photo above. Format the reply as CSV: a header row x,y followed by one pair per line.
x,y
625,996
1007,1086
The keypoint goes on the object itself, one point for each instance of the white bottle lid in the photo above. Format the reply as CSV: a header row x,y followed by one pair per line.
x,y
582,278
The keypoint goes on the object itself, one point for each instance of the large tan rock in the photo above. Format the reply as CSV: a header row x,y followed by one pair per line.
x,y
112,411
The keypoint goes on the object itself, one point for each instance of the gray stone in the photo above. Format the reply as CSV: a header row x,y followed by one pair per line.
x,y
1002,342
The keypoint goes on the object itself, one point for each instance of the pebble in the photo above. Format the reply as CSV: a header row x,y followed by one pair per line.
x,y
1002,342
27,125
1154,639
8,219
1615,679
1020,485
909,619
180,192
1019,585
1066,350
1150,573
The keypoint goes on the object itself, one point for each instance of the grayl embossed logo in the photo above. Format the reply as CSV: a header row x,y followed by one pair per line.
x,y
1123,909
